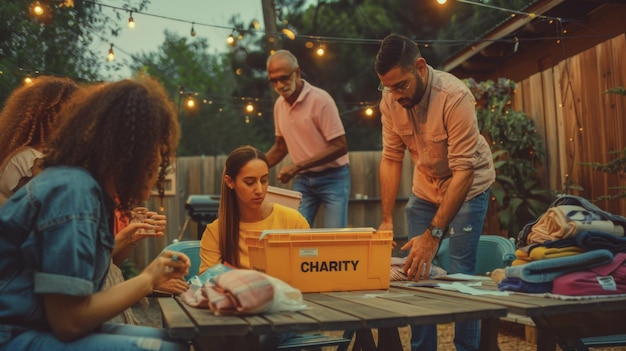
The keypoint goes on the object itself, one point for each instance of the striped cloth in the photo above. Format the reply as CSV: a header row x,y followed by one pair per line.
x,y
238,291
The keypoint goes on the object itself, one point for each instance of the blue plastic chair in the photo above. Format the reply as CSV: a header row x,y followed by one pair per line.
x,y
190,248
493,252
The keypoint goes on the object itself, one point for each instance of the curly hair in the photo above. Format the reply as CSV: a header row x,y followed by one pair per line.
x,y
31,113
229,210
116,131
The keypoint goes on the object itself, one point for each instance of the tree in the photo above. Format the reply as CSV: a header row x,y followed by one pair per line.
x,y
217,123
55,43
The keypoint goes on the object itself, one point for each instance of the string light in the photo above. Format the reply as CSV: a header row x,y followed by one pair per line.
x,y
193,31
190,102
290,32
111,54
512,12
249,107
231,40
37,8
131,21
320,50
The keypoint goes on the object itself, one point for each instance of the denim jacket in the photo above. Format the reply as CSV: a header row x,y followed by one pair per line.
x,y
572,200
55,238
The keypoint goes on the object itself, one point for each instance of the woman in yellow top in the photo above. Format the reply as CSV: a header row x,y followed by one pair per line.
x,y
243,211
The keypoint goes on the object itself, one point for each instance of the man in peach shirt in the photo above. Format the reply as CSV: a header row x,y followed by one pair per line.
x,y
432,114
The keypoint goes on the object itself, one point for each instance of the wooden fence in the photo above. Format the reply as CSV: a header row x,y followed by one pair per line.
x,y
576,122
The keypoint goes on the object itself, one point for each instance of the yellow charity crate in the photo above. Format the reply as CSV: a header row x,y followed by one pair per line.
x,y
329,259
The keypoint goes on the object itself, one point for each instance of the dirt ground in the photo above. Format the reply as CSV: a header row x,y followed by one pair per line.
x,y
511,337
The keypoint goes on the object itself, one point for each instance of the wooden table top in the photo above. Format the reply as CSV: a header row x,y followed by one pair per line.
x,y
331,311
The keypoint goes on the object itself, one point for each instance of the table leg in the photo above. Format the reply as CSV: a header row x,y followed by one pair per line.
x,y
364,341
389,339
545,338
489,334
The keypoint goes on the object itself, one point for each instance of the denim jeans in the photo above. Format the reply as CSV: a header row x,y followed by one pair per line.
x,y
109,337
464,232
331,190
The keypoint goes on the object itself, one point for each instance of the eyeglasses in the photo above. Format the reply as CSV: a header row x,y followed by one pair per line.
x,y
282,79
396,89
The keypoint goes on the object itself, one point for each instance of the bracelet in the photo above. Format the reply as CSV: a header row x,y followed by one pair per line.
x,y
132,244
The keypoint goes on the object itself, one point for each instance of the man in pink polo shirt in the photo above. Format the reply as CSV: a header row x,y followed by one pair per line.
x,y
308,127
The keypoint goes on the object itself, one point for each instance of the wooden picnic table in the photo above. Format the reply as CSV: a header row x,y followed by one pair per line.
x,y
361,311
557,320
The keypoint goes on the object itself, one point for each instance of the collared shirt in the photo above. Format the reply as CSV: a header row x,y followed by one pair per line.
x,y
441,134
308,125
55,238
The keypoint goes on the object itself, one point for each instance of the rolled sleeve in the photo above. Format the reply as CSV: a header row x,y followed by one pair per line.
x,y
463,134
61,284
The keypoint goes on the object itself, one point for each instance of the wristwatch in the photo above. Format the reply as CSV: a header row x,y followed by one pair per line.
x,y
436,232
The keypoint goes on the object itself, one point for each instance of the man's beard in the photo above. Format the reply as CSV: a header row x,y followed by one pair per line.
x,y
420,90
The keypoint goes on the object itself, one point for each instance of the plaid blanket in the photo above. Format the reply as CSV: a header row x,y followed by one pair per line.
x,y
238,291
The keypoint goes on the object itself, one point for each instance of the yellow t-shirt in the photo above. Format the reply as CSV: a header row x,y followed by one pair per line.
x,y
282,217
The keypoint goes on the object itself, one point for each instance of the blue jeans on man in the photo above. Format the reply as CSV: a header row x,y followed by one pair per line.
x,y
329,188
464,232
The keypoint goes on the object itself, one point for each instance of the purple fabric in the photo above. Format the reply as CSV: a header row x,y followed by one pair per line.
x,y
516,284
608,279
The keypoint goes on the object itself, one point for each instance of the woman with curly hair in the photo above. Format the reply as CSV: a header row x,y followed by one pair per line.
x,y
29,116
56,234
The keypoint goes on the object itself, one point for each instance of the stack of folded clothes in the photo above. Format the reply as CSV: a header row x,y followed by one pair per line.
x,y
574,249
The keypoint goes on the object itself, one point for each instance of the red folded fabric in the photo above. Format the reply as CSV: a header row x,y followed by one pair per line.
x,y
609,279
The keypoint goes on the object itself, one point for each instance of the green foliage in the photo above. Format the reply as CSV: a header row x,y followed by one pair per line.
x,y
517,150
616,165
59,44
214,127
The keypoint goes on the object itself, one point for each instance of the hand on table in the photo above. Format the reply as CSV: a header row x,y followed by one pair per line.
x,y
422,251
174,286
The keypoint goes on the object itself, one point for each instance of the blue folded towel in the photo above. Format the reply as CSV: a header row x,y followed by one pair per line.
x,y
543,271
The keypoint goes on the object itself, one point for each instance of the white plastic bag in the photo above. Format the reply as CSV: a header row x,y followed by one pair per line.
x,y
286,297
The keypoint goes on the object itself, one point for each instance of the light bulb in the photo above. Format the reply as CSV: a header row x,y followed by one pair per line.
x,y
191,103
249,107
37,8
230,40
131,22
111,54
320,51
